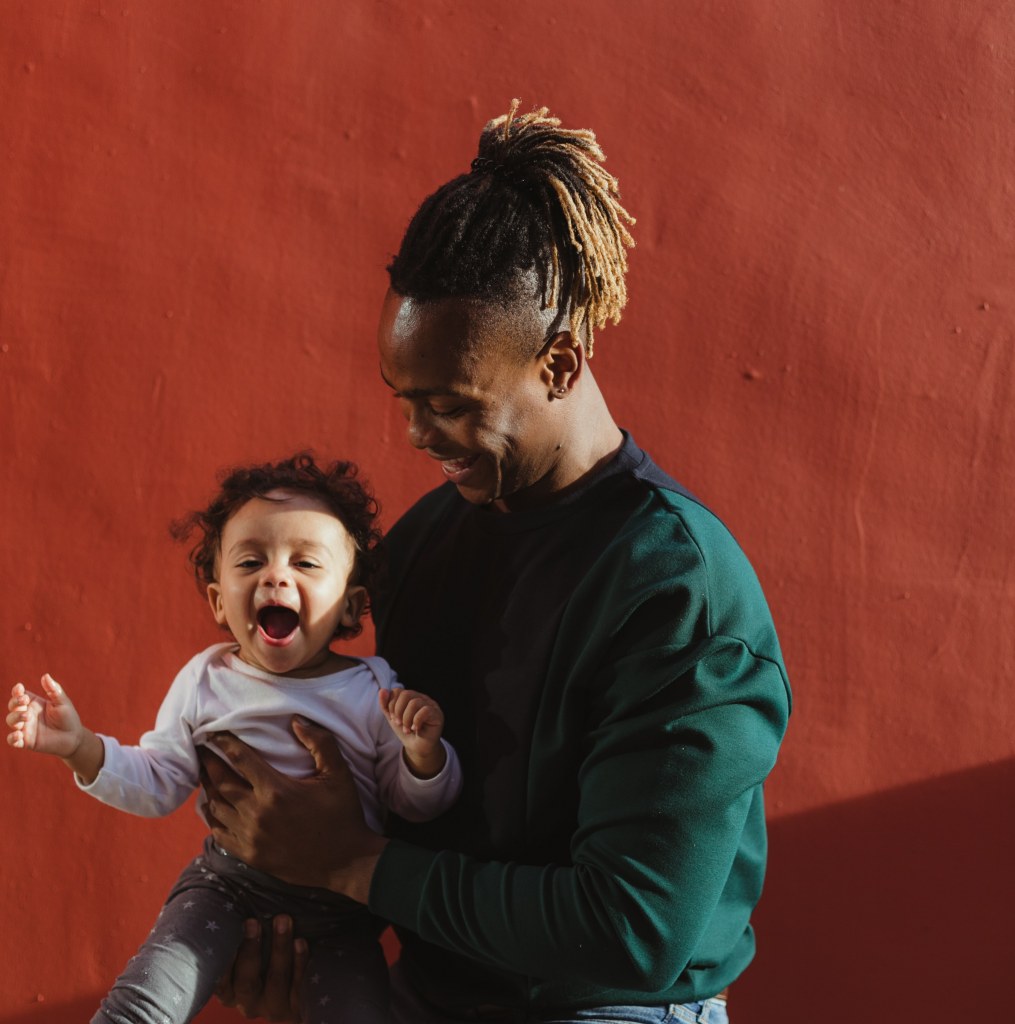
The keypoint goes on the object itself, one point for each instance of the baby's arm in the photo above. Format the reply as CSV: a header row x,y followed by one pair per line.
x,y
151,779
418,722
50,725
417,771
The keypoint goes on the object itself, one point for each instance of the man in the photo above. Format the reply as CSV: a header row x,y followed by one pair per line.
x,y
607,663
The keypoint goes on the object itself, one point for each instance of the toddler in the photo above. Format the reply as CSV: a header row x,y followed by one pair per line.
x,y
287,555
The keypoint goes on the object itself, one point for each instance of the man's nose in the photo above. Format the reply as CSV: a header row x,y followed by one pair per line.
x,y
421,431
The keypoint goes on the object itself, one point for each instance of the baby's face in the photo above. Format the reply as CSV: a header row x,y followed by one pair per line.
x,y
283,581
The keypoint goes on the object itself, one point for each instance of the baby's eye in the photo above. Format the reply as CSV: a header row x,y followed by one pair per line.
x,y
305,565
249,563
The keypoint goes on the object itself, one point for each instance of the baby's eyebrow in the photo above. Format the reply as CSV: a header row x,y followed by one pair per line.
x,y
297,545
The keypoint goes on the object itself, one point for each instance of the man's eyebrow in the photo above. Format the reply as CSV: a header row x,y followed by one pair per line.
x,y
422,392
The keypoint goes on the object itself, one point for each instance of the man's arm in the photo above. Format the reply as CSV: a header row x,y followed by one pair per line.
x,y
665,792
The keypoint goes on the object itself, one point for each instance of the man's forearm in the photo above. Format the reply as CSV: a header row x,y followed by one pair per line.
x,y
353,880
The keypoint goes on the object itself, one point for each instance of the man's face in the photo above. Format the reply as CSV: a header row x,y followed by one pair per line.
x,y
283,581
471,400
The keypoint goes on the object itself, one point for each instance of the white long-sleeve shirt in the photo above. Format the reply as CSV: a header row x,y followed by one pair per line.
x,y
218,692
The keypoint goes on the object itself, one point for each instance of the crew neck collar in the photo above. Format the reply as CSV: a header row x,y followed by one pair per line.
x,y
232,660
627,458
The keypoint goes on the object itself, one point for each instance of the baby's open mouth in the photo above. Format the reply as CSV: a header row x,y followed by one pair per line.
x,y
277,625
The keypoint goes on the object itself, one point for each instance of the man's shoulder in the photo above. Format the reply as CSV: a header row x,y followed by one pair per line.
x,y
675,531
674,548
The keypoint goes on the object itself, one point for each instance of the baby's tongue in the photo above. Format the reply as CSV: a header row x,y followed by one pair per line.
x,y
278,623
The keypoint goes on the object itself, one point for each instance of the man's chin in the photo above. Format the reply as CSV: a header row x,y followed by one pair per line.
x,y
477,493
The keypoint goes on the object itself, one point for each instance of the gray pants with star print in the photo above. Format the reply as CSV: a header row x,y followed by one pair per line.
x,y
200,927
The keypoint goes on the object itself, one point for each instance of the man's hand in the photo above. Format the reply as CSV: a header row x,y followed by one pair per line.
x,y
304,831
276,996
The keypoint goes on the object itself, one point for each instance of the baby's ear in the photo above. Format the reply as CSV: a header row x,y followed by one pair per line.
x,y
355,602
217,604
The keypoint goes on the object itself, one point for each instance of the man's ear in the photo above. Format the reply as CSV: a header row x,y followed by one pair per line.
x,y
562,359
355,602
217,604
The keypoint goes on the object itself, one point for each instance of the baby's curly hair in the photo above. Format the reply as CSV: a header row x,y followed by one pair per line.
x,y
335,486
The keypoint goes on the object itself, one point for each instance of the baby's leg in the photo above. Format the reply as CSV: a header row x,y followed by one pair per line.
x,y
346,983
177,969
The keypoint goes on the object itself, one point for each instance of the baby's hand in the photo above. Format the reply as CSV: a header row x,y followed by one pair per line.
x,y
49,724
418,722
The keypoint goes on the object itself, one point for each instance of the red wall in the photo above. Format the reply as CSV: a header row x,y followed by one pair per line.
x,y
197,202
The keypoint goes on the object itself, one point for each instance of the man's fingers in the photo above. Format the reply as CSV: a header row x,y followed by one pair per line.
x,y
278,980
246,973
215,773
248,763
224,815
301,957
321,744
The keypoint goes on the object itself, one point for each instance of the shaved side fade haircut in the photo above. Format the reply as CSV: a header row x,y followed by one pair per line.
x,y
537,199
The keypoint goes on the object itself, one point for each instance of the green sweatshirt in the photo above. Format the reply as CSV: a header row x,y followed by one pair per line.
x,y
660,716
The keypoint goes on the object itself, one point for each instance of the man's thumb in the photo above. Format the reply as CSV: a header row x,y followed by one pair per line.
x,y
322,745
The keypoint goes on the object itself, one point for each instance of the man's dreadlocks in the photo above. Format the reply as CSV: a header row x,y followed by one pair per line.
x,y
537,198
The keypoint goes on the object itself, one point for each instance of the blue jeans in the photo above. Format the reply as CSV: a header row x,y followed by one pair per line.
x,y
712,1011
408,1008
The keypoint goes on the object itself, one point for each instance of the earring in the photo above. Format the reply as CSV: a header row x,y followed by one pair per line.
x,y
561,391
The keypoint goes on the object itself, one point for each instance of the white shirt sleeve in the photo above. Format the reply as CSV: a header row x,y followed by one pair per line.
x,y
409,797
155,777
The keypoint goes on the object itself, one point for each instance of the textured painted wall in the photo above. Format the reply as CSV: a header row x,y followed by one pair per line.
x,y
197,202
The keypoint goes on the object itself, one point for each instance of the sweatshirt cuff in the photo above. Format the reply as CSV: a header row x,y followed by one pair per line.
x,y
442,778
396,889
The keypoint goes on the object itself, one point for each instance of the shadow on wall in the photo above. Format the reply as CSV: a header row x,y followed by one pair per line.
x,y
891,908
895,907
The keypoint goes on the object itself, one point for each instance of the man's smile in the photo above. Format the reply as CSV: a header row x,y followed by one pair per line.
x,y
456,470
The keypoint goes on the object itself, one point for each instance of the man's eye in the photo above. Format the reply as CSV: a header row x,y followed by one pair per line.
x,y
448,413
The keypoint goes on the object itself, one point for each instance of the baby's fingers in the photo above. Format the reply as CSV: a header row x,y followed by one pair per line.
x,y
409,713
17,718
427,715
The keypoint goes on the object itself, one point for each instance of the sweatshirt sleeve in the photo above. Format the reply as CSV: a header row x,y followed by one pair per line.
x,y
681,725
411,798
155,777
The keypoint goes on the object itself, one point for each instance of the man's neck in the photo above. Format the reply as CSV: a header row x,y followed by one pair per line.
x,y
590,441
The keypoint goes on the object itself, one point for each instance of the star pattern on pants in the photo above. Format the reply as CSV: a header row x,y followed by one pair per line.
x,y
324,1000
188,904
211,926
